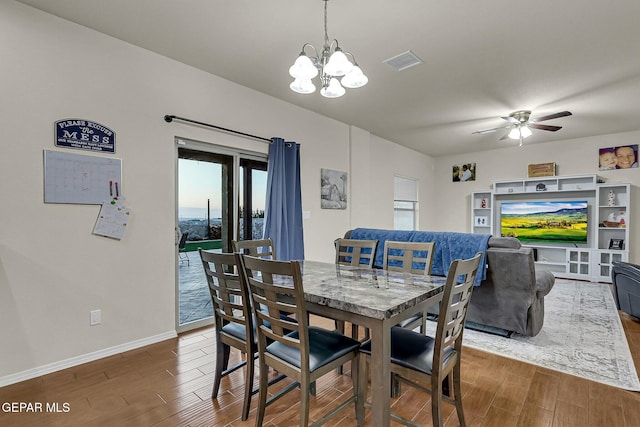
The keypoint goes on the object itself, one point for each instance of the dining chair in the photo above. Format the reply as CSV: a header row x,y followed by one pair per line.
x,y
233,321
262,248
409,257
302,352
418,359
355,252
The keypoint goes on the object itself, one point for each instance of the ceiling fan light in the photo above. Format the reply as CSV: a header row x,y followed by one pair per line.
x,y
303,86
354,79
338,64
303,68
333,90
520,132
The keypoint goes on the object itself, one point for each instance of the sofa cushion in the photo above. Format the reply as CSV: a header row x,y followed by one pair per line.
x,y
504,242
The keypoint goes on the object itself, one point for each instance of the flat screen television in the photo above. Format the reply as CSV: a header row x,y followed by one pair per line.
x,y
554,222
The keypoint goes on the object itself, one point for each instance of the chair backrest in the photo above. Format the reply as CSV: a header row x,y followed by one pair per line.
x,y
262,248
183,240
355,252
229,296
453,307
276,286
409,257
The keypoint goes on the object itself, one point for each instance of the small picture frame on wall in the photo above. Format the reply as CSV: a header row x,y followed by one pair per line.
x,y
616,244
620,157
464,172
333,189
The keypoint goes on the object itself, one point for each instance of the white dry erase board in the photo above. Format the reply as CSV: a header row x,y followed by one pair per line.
x,y
80,179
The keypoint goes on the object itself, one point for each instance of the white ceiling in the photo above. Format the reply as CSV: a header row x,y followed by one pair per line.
x,y
482,59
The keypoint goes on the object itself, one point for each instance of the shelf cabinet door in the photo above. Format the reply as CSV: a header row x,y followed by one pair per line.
x,y
604,260
579,263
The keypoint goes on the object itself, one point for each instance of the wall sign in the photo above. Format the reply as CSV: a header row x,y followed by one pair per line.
x,y
85,135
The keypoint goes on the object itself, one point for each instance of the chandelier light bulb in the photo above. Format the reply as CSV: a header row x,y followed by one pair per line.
x,y
338,64
303,68
333,90
354,79
303,86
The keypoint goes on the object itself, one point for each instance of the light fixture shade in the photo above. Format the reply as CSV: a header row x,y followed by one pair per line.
x,y
338,64
520,131
354,79
334,90
303,68
303,86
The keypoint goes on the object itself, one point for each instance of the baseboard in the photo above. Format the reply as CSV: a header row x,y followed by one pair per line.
x,y
85,358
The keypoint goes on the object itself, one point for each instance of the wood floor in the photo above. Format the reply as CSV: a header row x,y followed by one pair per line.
x,y
169,384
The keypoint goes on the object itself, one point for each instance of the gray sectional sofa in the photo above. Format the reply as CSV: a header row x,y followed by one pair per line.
x,y
510,296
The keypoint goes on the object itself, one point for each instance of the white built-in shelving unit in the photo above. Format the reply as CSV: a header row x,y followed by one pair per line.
x,y
609,217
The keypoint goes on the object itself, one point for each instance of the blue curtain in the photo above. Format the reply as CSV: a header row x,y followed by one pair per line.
x,y
283,210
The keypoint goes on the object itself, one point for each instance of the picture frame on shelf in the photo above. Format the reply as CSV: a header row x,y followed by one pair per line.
x,y
616,244
481,221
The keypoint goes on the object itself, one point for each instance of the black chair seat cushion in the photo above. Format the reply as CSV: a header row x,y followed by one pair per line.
x,y
407,322
235,330
239,331
324,347
411,350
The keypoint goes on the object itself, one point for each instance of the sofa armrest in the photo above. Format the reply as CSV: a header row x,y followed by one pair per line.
x,y
544,282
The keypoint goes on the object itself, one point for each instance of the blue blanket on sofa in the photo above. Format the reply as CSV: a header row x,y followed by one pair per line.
x,y
449,246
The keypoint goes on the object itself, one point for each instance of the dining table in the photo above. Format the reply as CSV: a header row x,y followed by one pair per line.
x,y
375,299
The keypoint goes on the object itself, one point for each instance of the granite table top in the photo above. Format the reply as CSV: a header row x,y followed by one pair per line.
x,y
370,292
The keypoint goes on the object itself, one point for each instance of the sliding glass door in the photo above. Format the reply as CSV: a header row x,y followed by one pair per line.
x,y
220,198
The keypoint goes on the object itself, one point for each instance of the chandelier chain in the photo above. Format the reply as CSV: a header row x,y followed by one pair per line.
x,y
326,36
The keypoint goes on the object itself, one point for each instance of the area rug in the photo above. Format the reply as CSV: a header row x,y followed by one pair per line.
x,y
582,335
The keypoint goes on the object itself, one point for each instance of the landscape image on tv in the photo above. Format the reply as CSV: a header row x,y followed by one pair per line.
x,y
558,221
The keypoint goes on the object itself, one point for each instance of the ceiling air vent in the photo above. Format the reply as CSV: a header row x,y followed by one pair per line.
x,y
403,61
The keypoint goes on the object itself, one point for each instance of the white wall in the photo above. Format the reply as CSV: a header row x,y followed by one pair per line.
x,y
53,271
573,157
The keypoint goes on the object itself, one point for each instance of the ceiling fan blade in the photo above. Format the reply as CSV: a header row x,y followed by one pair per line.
x,y
551,117
545,127
511,119
490,130
504,137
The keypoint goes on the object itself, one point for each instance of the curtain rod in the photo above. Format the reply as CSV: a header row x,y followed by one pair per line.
x,y
170,118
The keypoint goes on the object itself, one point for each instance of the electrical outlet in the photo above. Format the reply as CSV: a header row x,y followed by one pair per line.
x,y
95,317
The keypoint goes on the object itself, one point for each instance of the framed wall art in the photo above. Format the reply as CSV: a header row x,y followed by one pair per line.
x,y
464,172
620,157
333,189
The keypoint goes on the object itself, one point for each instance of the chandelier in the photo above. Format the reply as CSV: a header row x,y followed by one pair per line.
x,y
331,64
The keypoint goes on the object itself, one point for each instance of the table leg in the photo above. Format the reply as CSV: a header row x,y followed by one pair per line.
x,y
380,374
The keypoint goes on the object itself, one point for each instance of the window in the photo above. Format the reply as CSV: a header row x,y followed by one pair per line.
x,y
405,203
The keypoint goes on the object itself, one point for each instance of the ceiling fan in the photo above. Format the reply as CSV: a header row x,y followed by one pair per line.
x,y
520,124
